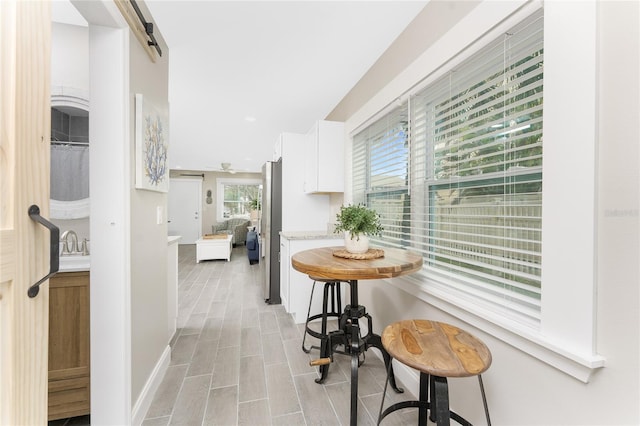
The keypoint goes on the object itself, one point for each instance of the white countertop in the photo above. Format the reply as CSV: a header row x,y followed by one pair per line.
x,y
172,239
310,235
75,263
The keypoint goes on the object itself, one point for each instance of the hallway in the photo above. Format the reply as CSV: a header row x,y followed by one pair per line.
x,y
238,361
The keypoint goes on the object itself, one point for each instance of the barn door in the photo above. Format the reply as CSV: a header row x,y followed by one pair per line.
x,y
25,50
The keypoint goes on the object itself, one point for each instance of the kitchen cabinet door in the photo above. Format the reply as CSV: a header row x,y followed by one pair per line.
x,y
324,159
298,284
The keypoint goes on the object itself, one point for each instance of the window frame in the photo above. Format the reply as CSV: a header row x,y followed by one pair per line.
x,y
477,106
390,131
220,184
566,342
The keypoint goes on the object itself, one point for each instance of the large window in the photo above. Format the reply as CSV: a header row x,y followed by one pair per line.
x,y
456,172
479,173
381,158
235,197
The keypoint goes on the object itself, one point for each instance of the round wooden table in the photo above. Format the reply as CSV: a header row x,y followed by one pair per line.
x,y
321,263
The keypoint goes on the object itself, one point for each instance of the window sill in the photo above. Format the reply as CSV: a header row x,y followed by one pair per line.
x,y
520,335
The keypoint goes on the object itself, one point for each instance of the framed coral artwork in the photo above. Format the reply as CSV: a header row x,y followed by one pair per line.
x,y
152,144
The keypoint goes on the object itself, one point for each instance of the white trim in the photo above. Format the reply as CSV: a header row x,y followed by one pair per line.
x,y
110,176
220,192
150,388
519,335
70,96
76,209
569,228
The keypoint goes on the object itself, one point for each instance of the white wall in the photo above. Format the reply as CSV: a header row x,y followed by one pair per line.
x,y
209,184
129,250
148,243
70,56
521,389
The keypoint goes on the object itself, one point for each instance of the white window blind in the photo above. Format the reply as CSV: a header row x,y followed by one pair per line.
x,y
380,173
478,154
475,181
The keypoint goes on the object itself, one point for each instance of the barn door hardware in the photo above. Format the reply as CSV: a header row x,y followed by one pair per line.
x,y
54,248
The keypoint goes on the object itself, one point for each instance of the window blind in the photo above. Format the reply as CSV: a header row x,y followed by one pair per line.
x,y
380,173
477,163
461,181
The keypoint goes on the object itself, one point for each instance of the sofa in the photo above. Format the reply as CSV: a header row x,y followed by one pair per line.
x,y
237,227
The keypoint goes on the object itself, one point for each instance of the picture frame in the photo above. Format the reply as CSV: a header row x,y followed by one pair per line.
x,y
152,146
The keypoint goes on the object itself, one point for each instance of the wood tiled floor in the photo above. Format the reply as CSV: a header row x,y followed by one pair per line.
x,y
238,361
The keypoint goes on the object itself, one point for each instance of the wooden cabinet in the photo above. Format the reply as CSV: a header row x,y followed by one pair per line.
x,y
69,354
324,160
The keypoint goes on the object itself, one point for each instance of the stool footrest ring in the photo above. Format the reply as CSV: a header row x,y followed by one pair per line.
x,y
318,334
419,404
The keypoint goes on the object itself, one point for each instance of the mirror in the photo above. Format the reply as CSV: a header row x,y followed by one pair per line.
x,y
69,155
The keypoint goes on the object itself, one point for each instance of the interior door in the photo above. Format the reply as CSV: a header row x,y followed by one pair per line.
x,y
185,205
25,120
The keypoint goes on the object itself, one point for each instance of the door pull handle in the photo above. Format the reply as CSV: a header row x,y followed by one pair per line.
x,y
54,248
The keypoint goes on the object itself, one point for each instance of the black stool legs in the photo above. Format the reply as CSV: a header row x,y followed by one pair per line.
x,y
323,335
437,406
438,351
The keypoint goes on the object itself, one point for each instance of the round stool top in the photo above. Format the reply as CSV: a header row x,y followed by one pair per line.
x,y
323,280
436,348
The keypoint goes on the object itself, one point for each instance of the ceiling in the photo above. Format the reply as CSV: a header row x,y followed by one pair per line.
x,y
240,72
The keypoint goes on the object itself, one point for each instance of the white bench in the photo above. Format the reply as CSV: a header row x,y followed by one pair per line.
x,y
214,248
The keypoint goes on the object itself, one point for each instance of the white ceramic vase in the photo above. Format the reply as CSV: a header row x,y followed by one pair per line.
x,y
356,244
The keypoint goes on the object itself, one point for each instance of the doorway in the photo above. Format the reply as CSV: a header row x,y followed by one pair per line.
x,y
185,209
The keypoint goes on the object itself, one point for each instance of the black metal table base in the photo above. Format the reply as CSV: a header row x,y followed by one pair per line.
x,y
354,344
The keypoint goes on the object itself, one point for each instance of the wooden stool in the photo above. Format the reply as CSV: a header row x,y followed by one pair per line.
x,y
323,335
438,351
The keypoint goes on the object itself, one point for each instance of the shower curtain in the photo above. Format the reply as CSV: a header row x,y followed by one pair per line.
x,y
69,172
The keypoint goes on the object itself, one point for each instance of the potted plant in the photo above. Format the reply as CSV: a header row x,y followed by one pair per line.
x,y
254,206
358,223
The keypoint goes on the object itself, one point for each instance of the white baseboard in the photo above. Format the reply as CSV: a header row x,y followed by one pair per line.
x,y
143,403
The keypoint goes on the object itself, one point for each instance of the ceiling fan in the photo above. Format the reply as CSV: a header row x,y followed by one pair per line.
x,y
226,167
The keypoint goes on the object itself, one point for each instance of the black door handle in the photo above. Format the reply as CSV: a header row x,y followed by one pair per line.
x,y
54,248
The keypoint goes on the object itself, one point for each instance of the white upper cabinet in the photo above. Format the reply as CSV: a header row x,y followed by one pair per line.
x,y
277,149
324,160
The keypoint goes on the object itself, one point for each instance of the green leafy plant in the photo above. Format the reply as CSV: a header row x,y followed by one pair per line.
x,y
254,204
358,219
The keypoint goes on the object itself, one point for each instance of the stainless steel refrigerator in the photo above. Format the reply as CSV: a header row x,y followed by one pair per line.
x,y
270,226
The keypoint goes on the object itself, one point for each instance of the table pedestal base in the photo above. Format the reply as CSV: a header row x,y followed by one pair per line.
x,y
320,262
349,337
